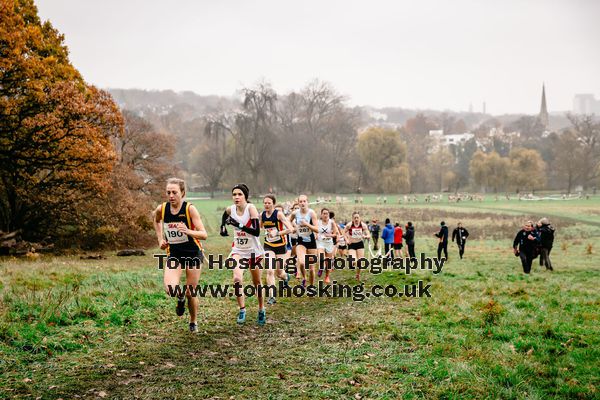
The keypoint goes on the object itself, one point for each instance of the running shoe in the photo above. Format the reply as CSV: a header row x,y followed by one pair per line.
x,y
262,317
320,272
327,280
193,327
303,282
180,309
241,316
271,301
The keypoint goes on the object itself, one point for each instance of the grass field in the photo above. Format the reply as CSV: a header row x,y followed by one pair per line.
x,y
72,328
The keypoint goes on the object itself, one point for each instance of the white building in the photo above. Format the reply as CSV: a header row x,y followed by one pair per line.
x,y
446,140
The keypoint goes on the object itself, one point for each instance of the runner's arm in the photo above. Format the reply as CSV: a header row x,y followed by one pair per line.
x,y
366,229
199,232
289,227
158,226
313,226
224,219
335,232
254,228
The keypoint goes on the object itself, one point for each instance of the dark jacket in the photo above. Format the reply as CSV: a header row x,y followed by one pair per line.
x,y
546,236
461,235
388,234
409,235
375,230
524,244
443,234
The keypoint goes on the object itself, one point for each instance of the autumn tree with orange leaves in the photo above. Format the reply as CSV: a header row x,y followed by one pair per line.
x,y
58,138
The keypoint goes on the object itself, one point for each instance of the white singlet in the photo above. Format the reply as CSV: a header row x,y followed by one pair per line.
x,y
244,244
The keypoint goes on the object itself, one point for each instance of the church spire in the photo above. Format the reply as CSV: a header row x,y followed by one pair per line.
x,y
543,117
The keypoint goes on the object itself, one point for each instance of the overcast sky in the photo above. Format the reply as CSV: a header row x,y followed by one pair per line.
x,y
413,54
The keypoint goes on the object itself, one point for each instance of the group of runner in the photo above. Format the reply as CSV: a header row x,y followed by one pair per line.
x,y
295,232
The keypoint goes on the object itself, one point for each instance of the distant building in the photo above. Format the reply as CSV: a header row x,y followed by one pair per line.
x,y
586,103
457,138
441,140
543,116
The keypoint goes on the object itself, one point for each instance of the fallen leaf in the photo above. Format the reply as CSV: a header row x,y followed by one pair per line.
x,y
530,351
26,380
102,394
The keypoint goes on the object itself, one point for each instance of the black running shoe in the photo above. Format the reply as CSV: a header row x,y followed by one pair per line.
x,y
193,327
180,309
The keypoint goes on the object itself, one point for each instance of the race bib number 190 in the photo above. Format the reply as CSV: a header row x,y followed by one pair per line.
x,y
174,235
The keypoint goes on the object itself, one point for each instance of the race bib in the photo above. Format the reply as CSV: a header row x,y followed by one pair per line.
x,y
304,231
272,239
324,238
174,235
241,240
357,234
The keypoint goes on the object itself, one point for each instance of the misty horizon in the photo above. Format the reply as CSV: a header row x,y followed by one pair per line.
x,y
427,56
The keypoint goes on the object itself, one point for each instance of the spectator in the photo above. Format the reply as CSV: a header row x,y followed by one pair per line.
x,y
398,241
525,244
409,237
461,235
546,232
442,235
387,235
374,229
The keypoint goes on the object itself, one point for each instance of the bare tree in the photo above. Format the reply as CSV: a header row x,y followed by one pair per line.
x,y
587,132
254,132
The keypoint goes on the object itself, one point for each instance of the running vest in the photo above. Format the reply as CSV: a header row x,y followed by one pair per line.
x,y
356,233
272,224
304,232
323,229
243,242
178,241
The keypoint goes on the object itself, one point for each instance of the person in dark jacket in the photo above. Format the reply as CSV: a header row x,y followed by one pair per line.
x,y
525,244
398,240
409,238
374,228
442,235
387,235
546,232
460,234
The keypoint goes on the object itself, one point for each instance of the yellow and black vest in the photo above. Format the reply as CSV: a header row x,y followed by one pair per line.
x,y
179,243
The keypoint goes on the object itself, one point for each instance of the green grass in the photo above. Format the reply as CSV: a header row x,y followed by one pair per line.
x,y
70,327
